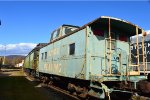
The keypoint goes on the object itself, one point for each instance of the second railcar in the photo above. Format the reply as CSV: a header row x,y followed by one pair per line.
x,y
32,60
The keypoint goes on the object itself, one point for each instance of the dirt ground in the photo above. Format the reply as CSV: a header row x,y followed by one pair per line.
x,y
11,72
14,85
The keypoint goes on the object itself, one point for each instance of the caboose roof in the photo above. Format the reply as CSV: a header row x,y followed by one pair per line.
x,y
120,24
70,25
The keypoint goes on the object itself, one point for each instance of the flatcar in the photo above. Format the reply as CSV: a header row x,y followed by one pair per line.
x,y
92,60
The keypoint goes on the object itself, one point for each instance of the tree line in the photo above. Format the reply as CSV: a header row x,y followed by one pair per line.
x,y
11,60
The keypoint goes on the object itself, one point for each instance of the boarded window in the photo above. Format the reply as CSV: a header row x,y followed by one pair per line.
x,y
45,55
72,49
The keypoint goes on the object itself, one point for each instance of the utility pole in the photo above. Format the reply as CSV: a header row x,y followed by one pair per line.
x,y
3,62
0,57
4,56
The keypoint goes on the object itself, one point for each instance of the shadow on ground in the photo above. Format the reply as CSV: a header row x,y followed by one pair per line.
x,y
15,85
19,88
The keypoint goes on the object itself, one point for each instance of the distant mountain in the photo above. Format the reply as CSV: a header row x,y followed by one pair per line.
x,y
15,56
13,59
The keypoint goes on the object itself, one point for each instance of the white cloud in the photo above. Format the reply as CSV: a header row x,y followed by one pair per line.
x,y
16,49
148,31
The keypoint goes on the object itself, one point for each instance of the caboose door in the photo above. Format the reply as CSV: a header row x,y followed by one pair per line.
x,y
115,58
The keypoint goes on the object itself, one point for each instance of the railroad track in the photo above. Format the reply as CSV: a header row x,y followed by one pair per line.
x,y
66,95
54,90
61,92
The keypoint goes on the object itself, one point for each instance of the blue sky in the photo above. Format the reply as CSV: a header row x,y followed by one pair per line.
x,y
33,21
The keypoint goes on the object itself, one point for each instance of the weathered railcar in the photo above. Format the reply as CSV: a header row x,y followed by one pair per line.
x,y
93,58
32,59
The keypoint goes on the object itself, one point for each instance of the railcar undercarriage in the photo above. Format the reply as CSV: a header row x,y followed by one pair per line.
x,y
89,90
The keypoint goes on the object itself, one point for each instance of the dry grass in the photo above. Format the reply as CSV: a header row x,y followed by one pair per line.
x,y
14,86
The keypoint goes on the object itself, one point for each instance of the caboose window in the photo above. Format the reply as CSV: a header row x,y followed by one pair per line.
x,y
45,55
69,30
72,49
55,34
42,55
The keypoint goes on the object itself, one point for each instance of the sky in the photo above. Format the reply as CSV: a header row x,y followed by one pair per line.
x,y
27,23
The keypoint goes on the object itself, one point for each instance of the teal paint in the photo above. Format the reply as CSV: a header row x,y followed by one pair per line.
x,y
59,62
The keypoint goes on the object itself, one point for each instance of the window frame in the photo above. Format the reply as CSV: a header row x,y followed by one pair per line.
x,y
42,56
72,49
45,55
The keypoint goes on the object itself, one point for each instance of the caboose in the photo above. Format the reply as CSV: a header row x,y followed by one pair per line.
x,y
92,60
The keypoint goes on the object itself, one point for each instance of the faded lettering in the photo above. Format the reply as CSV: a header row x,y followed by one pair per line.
x,y
53,52
53,68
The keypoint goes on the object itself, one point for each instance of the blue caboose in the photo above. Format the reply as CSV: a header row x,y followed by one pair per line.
x,y
96,53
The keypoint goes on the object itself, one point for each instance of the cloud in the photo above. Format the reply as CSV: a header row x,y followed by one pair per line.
x,y
146,38
16,49
148,31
